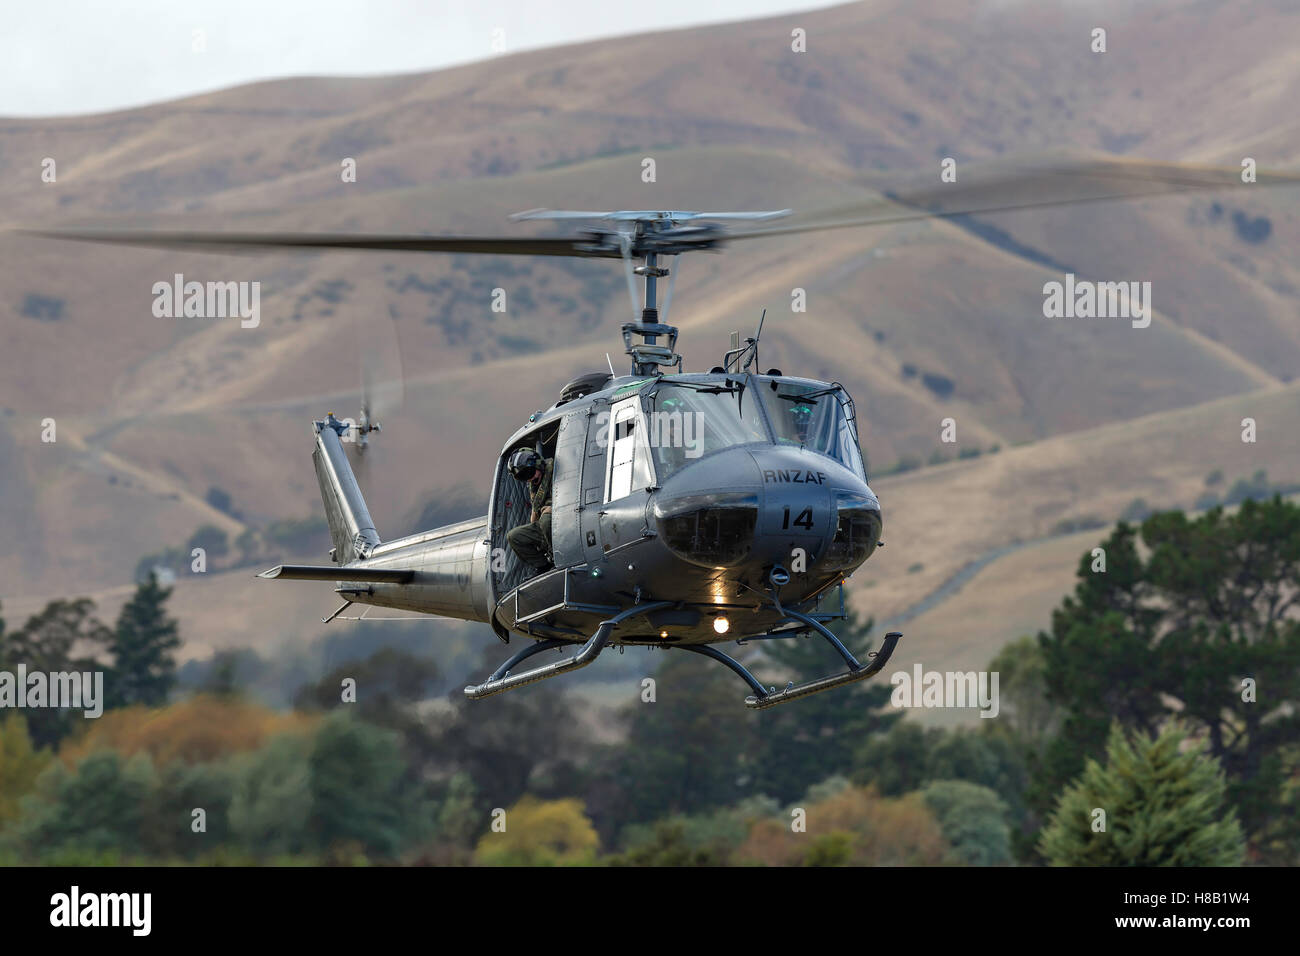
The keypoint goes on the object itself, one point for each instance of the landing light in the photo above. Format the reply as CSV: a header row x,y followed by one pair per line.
x,y
721,624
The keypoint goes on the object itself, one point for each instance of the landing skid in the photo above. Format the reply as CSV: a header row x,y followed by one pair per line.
x,y
763,698
503,680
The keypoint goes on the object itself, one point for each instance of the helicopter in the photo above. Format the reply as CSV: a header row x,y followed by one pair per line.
x,y
688,509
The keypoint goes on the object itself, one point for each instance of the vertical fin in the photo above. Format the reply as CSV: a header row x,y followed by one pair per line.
x,y
351,528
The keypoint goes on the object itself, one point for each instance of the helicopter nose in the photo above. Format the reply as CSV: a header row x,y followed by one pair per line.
x,y
708,511
768,506
816,514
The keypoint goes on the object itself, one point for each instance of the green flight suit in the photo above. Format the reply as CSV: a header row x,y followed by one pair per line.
x,y
532,542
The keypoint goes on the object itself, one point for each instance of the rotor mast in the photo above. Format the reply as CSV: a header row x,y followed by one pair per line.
x,y
647,355
648,235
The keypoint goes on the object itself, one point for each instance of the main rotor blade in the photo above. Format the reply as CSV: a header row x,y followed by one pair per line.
x,y
1001,188
576,246
648,215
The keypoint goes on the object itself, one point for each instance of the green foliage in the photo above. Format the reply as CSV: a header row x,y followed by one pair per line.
x,y
830,849
46,643
183,788
1190,631
359,792
690,750
460,818
389,684
20,765
896,762
973,820
856,827
247,545
271,803
1022,690
530,740
211,539
910,756
540,833
1164,806
98,806
669,845
143,644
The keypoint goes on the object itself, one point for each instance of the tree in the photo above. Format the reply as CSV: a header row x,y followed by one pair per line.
x,y
142,646
896,763
211,539
390,685
1207,628
669,845
198,729
47,643
460,818
183,788
973,820
528,740
540,833
1163,806
271,804
359,795
96,807
20,765
690,749
857,827
1022,690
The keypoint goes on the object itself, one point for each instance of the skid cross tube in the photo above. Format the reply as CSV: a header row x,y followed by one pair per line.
x,y
741,670
501,680
856,671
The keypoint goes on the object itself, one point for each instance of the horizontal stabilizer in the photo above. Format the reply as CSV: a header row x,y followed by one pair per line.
x,y
307,572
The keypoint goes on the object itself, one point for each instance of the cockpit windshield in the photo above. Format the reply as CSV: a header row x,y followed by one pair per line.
x,y
814,417
686,420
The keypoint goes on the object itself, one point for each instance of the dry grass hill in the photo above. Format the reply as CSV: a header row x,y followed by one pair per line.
x,y
921,320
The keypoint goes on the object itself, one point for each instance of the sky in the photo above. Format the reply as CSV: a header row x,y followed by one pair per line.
x,y
66,57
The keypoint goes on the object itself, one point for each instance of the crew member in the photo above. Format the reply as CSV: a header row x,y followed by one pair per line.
x,y
532,541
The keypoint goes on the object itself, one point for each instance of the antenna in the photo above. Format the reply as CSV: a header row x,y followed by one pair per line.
x,y
611,364
753,359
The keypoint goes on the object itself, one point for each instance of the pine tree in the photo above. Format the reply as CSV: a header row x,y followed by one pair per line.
x,y
142,646
1162,805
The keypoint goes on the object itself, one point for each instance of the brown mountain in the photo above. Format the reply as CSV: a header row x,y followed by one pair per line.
x,y
921,320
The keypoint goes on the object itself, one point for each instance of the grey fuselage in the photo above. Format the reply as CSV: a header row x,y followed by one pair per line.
x,y
701,520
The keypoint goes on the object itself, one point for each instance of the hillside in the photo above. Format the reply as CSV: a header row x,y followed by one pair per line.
x,y
921,321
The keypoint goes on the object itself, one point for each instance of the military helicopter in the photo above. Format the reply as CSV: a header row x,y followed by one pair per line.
x,y
688,508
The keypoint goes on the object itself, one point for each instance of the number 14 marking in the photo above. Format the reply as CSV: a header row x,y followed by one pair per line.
x,y
803,520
